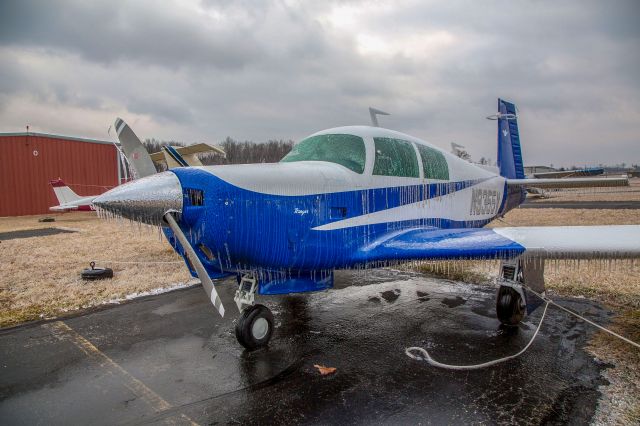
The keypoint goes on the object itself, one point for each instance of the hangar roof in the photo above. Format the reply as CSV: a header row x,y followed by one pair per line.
x,y
46,135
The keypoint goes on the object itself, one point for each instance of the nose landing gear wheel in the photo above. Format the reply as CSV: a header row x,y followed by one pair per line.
x,y
254,327
509,306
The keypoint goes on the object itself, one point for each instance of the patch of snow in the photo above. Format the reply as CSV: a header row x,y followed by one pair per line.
x,y
151,292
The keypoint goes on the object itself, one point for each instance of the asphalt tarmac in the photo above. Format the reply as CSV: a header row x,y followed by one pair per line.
x,y
170,359
30,233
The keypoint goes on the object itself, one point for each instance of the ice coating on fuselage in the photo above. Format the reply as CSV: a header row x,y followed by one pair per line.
x,y
300,217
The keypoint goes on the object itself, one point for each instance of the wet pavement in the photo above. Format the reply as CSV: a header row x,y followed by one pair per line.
x,y
170,359
30,233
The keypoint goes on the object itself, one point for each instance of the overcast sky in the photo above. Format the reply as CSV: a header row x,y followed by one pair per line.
x,y
198,71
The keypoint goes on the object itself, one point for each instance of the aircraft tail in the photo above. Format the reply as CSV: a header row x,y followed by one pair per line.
x,y
134,150
509,152
173,157
64,194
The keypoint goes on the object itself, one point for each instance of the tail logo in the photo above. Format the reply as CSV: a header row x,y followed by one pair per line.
x,y
505,133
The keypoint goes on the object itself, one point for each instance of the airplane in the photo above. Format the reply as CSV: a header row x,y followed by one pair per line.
x,y
141,162
68,199
357,197
184,156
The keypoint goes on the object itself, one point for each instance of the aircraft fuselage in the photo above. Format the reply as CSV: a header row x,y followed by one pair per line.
x,y
319,216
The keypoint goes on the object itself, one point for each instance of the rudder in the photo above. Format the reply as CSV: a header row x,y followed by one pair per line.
x,y
63,193
509,151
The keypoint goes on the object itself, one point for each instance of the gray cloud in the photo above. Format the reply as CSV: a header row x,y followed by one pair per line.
x,y
258,70
135,31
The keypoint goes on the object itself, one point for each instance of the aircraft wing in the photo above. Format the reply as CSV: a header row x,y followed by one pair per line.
x,y
198,148
156,157
541,242
569,183
174,156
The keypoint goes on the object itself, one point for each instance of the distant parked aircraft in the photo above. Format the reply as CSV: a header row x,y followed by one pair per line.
x,y
357,197
68,199
184,156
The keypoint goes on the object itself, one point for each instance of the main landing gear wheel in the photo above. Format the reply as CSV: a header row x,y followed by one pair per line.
x,y
254,327
509,306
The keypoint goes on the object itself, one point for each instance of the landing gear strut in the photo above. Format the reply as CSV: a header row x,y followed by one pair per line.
x,y
255,325
511,302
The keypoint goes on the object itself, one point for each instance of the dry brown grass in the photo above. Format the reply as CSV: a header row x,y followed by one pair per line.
x,y
568,217
41,276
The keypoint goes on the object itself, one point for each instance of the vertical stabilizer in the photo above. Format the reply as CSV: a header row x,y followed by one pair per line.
x,y
64,194
509,152
173,157
192,160
135,152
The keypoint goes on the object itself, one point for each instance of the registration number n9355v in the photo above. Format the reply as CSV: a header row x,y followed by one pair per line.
x,y
484,201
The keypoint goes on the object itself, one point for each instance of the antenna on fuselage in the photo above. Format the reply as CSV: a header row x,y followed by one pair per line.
x,y
374,113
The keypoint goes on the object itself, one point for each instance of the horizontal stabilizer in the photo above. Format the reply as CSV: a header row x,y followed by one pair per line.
x,y
200,148
177,156
569,183
542,242
570,173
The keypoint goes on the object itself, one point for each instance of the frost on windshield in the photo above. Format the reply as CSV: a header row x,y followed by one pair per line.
x,y
395,157
434,164
346,150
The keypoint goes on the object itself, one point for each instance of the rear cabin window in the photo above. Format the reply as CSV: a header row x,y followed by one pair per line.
x,y
346,150
395,157
433,163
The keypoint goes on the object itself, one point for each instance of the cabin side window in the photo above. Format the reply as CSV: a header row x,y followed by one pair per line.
x,y
346,150
395,157
433,163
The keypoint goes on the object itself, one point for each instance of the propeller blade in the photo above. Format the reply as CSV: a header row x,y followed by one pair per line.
x,y
207,284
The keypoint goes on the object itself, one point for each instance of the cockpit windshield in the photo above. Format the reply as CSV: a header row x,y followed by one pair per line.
x,y
346,150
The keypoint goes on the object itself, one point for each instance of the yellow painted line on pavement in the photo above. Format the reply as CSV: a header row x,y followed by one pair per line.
x,y
63,332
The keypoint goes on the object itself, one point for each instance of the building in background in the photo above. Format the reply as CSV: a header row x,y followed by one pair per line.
x,y
28,161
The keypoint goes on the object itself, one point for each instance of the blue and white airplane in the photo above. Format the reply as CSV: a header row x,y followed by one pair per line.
x,y
357,197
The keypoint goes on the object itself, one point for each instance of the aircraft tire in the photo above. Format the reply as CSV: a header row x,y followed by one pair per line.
x,y
510,307
254,327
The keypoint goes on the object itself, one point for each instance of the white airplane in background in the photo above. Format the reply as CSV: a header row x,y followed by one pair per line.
x,y
358,197
68,199
141,162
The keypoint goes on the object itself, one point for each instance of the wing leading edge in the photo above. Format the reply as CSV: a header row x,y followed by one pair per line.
x,y
543,242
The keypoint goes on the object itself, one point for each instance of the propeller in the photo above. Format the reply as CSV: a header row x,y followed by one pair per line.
x,y
207,284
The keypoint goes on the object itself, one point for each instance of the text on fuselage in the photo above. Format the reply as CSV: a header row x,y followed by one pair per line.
x,y
484,201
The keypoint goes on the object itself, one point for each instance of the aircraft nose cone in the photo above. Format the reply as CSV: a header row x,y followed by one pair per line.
x,y
144,200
